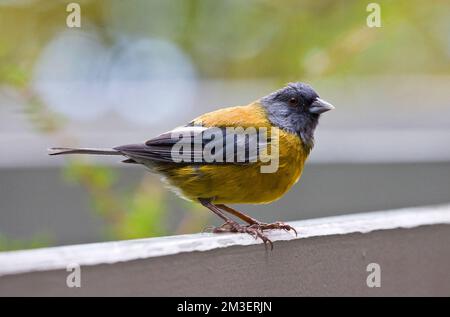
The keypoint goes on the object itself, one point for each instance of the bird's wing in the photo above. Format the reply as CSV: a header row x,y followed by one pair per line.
x,y
200,145
208,139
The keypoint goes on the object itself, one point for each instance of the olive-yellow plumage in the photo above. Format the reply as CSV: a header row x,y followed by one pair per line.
x,y
240,183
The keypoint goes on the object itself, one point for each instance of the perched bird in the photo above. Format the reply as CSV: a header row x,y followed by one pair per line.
x,y
289,115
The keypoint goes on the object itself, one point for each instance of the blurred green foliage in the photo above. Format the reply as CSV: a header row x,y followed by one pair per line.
x,y
128,215
38,241
285,39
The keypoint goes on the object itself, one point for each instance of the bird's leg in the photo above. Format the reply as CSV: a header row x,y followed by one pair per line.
x,y
255,223
232,226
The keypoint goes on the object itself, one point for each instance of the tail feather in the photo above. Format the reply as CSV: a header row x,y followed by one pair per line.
x,y
61,151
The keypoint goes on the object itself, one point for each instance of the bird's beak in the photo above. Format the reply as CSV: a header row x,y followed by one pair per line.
x,y
320,106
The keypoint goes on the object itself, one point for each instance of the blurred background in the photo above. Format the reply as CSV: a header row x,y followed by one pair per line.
x,y
138,68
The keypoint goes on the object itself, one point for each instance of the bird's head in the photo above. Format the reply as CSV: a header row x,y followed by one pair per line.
x,y
296,108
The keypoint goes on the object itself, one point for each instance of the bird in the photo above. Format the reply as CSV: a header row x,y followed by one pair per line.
x,y
288,116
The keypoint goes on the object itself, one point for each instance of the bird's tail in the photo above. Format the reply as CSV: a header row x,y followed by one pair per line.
x,y
62,150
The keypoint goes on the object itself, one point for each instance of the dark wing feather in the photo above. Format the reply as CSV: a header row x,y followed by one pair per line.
x,y
160,148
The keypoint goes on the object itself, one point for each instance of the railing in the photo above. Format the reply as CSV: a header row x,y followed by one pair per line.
x,y
399,252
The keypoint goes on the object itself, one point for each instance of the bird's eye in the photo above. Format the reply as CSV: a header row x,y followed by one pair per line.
x,y
293,101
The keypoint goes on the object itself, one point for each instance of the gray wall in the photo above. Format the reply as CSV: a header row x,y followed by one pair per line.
x,y
38,200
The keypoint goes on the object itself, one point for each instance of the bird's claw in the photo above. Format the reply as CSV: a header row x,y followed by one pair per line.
x,y
208,229
251,230
276,225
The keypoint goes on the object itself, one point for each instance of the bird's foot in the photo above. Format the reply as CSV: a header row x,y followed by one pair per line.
x,y
254,231
276,225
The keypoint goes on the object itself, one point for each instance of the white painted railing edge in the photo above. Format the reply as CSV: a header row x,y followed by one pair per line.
x,y
45,259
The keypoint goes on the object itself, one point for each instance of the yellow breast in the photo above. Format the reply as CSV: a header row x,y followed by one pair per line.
x,y
232,183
